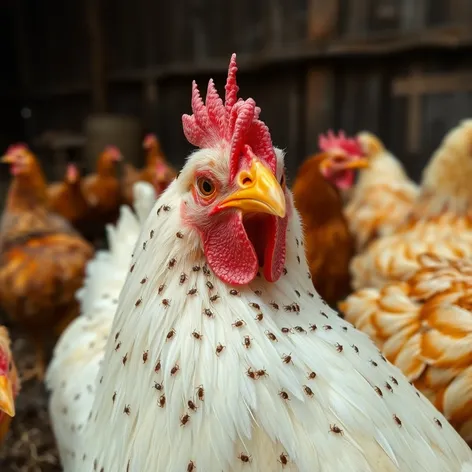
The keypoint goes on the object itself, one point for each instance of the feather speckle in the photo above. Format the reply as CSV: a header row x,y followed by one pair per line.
x,y
217,373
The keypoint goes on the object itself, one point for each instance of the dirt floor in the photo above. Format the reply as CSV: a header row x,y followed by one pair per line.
x,y
30,444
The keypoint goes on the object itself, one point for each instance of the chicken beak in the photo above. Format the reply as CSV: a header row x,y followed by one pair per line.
x,y
327,165
7,403
359,163
258,192
7,159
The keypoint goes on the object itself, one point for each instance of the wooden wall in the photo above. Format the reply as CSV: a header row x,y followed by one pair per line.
x,y
399,68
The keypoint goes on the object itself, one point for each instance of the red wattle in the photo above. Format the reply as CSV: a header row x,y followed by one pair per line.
x,y
274,255
229,251
344,180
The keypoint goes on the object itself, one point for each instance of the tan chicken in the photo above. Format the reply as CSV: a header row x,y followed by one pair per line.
x,y
157,171
42,258
424,327
439,223
383,195
67,199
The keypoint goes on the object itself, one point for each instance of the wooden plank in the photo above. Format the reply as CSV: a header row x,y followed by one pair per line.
x,y
413,15
445,82
357,19
373,102
199,31
295,127
253,15
349,107
440,12
97,64
416,87
148,21
444,38
150,87
385,15
274,25
322,18
22,49
414,91
461,11
319,99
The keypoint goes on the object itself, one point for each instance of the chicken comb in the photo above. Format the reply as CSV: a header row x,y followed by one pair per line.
x,y
72,172
112,150
18,147
330,141
236,122
149,137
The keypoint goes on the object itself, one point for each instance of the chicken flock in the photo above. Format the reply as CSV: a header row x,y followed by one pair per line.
x,y
204,338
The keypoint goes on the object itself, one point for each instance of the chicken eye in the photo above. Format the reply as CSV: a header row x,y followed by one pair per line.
x,y
10,365
205,186
338,158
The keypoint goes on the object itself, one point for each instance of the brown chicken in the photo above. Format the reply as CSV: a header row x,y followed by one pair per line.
x,y
424,326
329,244
42,258
67,199
156,171
102,189
9,384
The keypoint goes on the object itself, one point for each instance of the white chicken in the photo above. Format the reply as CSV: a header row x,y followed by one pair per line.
x,y
221,357
80,350
383,196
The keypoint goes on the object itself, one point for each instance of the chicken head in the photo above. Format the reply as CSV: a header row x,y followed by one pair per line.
x,y
237,199
20,159
342,157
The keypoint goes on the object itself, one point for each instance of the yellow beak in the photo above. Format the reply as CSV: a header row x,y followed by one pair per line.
x,y
348,164
259,192
7,403
359,163
7,159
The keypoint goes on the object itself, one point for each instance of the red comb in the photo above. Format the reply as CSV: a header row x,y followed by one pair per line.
x,y
72,170
17,148
235,122
350,145
150,137
113,150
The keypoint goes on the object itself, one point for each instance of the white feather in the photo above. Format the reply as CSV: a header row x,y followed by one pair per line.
x,y
334,421
79,352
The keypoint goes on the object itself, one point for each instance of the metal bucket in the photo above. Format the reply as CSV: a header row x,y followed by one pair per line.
x,y
102,130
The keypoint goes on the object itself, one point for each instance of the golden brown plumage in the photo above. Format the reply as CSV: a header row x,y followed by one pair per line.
x,y
329,244
42,258
67,199
156,171
424,326
102,189
440,221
